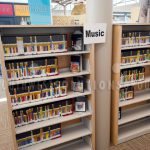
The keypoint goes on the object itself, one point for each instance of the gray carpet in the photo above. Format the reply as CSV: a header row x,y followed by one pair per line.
x,y
141,143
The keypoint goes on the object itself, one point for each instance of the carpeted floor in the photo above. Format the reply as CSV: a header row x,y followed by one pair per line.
x,y
141,143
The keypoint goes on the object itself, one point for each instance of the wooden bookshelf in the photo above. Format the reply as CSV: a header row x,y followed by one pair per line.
x,y
135,113
78,129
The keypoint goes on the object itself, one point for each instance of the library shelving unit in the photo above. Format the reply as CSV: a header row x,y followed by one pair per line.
x,y
49,81
130,82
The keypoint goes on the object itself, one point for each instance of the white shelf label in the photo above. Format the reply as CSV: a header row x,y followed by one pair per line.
x,y
95,33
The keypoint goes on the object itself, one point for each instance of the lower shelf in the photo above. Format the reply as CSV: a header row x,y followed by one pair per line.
x,y
139,97
79,145
133,130
53,121
68,134
135,114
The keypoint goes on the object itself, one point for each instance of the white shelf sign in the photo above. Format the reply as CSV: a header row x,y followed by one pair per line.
x,y
95,33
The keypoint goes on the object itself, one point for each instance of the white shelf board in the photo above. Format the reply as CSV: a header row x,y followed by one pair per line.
x,y
133,114
40,26
47,55
147,79
53,121
68,134
135,47
133,130
135,65
77,145
69,96
61,75
139,97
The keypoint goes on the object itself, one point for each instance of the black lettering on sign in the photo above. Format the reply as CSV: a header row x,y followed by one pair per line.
x,y
89,33
102,33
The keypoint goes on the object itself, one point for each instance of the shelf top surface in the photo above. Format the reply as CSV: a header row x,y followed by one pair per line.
x,y
39,26
46,55
131,24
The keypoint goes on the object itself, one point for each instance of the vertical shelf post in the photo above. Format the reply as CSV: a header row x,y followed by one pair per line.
x,y
10,117
117,33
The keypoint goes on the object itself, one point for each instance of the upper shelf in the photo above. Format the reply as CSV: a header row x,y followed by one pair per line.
x,y
47,55
135,65
131,24
61,75
39,26
135,47
147,79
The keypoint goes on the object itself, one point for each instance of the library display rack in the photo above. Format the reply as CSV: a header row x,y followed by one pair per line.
x,y
49,81
130,82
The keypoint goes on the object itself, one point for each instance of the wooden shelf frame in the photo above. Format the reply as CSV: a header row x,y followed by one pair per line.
x,y
71,132
10,116
141,97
